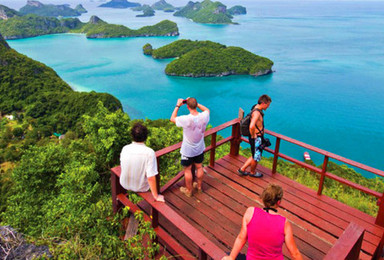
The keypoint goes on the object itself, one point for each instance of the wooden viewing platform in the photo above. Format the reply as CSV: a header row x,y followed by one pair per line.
x,y
206,225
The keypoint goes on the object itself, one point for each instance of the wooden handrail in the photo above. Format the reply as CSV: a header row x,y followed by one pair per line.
x,y
348,245
326,153
207,247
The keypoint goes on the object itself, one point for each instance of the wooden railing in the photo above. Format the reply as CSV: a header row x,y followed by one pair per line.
x,y
348,245
323,171
235,139
205,246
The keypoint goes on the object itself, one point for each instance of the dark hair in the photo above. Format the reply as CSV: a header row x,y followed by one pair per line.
x,y
264,99
271,195
139,132
192,103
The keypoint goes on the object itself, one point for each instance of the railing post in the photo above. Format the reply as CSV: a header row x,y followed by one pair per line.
x,y
276,155
202,255
322,178
213,151
380,215
235,142
158,175
116,189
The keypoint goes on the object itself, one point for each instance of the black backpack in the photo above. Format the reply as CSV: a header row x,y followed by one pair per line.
x,y
245,122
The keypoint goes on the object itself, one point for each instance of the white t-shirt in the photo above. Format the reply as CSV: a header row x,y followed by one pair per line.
x,y
138,162
193,133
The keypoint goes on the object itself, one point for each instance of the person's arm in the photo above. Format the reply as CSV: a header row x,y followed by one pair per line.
x,y
174,113
202,108
153,187
242,237
290,242
252,125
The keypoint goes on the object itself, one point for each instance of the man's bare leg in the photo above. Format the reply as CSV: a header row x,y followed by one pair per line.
x,y
253,166
199,175
188,178
247,163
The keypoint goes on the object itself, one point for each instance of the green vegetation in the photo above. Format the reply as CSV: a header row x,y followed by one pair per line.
x,y
6,13
163,5
32,25
205,12
101,29
57,192
19,27
35,7
119,4
31,88
207,59
236,10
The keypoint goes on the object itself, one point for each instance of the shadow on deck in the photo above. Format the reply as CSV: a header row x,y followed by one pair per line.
x,y
207,224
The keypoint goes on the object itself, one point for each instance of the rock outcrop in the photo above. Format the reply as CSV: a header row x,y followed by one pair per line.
x,y
14,246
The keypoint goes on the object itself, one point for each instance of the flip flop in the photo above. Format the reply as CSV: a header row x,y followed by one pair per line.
x,y
256,175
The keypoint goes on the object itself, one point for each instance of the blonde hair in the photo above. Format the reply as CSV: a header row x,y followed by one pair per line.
x,y
271,195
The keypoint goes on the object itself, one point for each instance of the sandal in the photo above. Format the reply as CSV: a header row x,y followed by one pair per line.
x,y
256,175
242,173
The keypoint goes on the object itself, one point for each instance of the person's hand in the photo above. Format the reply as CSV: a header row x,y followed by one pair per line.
x,y
179,102
227,257
160,198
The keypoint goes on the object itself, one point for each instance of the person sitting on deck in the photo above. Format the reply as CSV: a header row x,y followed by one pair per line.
x,y
266,230
138,164
192,147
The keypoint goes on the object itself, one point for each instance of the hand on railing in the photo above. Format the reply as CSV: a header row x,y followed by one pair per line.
x,y
160,198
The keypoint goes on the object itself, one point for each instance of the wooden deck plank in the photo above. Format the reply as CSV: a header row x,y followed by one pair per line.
x,y
246,199
371,240
198,219
333,206
268,178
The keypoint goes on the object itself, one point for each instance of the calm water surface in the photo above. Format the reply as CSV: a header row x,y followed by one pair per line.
x,y
327,89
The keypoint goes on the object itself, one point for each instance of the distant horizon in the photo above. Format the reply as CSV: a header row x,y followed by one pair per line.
x,y
17,4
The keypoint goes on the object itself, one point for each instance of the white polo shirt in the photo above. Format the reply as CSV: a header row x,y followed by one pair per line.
x,y
138,162
193,133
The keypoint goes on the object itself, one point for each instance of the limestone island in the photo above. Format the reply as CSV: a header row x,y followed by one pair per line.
x,y
164,6
120,4
206,12
19,27
237,10
209,59
146,9
35,7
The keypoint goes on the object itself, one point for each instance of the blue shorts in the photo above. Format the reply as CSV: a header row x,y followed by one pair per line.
x,y
255,143
186,161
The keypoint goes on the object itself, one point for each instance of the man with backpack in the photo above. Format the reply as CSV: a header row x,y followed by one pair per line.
x,y
256,136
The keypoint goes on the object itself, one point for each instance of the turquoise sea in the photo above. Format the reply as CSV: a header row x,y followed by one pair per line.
x,y
327,88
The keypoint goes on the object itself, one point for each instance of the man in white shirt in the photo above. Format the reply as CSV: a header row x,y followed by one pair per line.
x,y
192,147
138,164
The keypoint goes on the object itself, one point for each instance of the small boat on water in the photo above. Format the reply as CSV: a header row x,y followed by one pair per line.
x,y
306,156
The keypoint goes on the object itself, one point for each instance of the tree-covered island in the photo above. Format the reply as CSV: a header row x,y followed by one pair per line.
x,y
207,12
209,59
18,27
164,6
121,4
146,9
35,7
